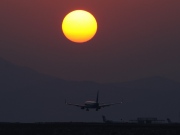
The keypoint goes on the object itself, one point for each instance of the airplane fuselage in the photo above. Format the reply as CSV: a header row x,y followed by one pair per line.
x,y
91,105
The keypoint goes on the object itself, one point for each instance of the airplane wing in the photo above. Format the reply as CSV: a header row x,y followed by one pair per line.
x,y
106,105
74,104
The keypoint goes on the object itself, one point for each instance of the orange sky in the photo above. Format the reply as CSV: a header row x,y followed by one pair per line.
x,y
135,39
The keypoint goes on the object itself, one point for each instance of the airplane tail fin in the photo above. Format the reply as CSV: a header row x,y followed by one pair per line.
x,y
169,121
97,99
104,118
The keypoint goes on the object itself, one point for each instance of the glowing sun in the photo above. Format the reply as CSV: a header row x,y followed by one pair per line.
x,y
79,26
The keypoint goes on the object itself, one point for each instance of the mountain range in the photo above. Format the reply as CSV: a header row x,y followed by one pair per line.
x,y
29,96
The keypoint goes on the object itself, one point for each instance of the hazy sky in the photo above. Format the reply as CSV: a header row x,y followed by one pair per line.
x,y
135,39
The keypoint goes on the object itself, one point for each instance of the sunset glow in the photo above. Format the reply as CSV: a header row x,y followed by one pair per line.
x,y
79,26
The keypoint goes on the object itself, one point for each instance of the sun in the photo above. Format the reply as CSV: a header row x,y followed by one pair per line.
x,y
79,26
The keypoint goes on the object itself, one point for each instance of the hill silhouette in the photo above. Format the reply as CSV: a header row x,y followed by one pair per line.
x,y
29,96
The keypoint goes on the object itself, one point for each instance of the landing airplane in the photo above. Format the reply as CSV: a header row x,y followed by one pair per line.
x,y
92,104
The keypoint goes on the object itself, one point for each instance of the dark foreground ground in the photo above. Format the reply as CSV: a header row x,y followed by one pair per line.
x,y
88,129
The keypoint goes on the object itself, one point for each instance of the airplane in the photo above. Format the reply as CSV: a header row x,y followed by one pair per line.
x,y
92,104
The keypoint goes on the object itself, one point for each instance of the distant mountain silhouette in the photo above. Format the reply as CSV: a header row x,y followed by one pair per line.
x,y
29,96
152,82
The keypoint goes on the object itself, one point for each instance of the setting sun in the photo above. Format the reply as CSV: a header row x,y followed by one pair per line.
x,y
79,26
